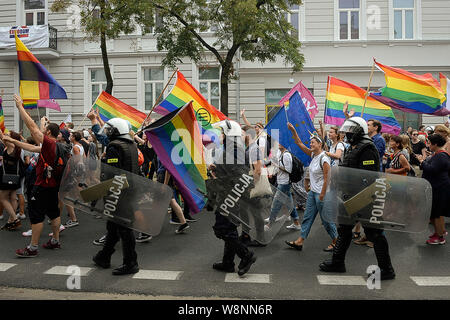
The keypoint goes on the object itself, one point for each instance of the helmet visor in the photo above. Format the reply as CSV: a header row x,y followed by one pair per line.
x,y
349,127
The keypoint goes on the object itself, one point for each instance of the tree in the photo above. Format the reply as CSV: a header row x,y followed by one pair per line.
x,y
107,19
258,28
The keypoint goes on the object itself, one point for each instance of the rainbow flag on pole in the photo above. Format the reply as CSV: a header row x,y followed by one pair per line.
x,y
35,81
420,93
206,114
176,139
110,107
2,117
339,91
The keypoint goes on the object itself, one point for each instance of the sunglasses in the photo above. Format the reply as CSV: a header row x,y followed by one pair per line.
x,y
415,134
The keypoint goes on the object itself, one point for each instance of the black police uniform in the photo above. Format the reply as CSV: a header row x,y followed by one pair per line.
x,y
227,231
122,154
363,155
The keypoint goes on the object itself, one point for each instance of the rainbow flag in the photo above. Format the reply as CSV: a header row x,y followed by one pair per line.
x,y
110,107
30,104
338,92
2,117
206,114
421,93
177,141
35,81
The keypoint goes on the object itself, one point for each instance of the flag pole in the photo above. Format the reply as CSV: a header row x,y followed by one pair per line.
x,y
160,95
85,116
368,87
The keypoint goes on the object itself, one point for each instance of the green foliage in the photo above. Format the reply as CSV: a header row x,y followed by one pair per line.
x,y
111,17
257,28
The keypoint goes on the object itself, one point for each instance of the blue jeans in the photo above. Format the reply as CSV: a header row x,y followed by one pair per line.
x,y
314,206
277,203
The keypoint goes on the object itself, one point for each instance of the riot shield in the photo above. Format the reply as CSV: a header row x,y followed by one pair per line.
x,y
125,198
247,200
378,200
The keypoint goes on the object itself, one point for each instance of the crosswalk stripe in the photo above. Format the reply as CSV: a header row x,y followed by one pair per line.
x,y
6,266
431,281
66,271
158,275
248,278
342,280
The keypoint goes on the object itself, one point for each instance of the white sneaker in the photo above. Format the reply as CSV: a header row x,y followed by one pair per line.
x,y
27,233
267,220
1,217
294,227
267,227
61,229
22,216
71,223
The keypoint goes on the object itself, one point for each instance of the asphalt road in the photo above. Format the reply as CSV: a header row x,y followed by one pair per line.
x,y
280,273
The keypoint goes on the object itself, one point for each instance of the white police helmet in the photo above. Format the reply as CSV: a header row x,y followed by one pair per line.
x,y
117,127
353,124
230,128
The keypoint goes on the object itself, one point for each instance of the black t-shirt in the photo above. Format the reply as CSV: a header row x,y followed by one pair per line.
x,y
417,147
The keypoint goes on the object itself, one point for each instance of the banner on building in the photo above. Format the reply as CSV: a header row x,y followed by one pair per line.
x,y
32,36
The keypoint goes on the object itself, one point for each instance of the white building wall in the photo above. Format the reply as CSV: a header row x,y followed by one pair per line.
x,y
348,60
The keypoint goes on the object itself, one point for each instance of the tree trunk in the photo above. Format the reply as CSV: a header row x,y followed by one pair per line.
x,y
224,76
106,68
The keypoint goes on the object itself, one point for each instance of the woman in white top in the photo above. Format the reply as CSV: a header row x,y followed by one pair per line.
x,y
319,172
337,147
77,149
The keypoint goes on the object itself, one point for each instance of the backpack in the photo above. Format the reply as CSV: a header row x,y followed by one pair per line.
x,y
297,168
62,156
267,147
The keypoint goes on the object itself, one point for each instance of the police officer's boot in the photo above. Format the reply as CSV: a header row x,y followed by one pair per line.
x,y
103,258
337,263
227,263
130,265
381,248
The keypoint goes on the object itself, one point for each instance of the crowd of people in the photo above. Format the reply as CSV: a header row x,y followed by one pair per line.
x,y
31,169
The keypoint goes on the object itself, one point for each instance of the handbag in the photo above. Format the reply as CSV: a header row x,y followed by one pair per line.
x,y
262,186
11,179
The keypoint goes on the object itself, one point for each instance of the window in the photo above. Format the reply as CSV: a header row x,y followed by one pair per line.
x,y
153,85
97,83
273,96
294,18
404,19
35,12
349,19
209,84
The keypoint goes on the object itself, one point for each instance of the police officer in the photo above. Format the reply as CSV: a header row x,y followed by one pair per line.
x,y
121,152
362,155
223,228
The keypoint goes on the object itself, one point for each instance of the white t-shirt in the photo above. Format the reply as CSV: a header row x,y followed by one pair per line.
x,y
316,172
334,149
261,142
282,176
79,148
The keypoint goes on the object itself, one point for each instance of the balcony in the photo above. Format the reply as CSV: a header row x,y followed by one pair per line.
x,y
41,52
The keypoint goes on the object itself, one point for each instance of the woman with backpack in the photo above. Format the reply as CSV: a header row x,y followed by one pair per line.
x,y
436,170
399,163
10,176
319,174
337,148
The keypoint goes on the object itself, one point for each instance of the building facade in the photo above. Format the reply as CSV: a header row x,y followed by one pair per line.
x,y
339,38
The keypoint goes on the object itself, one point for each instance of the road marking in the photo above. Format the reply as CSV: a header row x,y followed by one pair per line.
x,y
158,275
6,266
62,271
431,281
342,280
248,278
